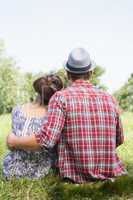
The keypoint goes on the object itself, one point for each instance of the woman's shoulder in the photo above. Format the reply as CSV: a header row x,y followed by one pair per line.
x,y
16,110
16,116
33,111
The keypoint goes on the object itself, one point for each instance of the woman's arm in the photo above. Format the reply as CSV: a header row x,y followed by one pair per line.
x,y
24,142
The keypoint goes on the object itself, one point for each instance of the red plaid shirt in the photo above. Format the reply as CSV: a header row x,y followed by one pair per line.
x,y
85,124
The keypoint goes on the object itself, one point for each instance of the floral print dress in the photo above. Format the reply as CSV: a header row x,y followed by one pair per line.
x,y
23,163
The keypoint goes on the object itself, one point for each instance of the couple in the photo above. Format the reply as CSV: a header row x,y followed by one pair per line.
x,y
82,122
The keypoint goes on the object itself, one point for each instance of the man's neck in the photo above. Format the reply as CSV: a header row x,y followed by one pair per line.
x,y
80,80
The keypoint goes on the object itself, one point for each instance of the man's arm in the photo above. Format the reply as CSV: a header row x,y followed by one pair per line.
x,y
26,142
119,127
50,132
119,132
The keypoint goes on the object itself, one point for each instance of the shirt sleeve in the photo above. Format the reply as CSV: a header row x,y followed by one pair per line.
x,y
119,131
119,126
50,132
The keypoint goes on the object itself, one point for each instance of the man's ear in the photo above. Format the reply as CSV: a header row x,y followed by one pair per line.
x,y
91,73
68,76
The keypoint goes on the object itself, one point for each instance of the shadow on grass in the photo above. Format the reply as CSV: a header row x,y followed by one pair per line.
x,y
51,188
122,188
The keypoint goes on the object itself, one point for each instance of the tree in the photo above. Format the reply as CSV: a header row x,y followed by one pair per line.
x,y
15,86
95,79
28,89
125,95
8,82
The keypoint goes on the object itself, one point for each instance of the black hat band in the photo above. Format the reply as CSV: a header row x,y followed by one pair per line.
x,y
78,69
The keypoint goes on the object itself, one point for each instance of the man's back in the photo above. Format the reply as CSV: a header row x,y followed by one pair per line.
x,y
85,123
92,131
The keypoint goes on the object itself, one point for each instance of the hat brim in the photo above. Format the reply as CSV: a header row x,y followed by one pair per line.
x,y
93,66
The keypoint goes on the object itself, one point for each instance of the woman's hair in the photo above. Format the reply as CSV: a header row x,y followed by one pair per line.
x,y
46,86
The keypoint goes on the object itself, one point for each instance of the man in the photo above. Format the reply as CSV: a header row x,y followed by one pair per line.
x,y
84,122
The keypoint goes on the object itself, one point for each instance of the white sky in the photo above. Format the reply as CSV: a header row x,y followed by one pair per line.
x,y
39,34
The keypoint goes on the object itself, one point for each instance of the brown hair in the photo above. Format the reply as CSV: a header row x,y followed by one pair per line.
x,y
46,86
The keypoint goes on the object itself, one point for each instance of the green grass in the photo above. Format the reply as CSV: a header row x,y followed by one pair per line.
x,y
51,188
5,127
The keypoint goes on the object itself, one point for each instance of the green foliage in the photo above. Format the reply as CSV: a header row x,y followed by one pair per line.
x,y
26,88
8,81
52,188
125,95
2,47
62,73
95,79
8,84
15,86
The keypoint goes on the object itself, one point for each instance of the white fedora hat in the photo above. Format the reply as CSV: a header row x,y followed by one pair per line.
x,y
79,62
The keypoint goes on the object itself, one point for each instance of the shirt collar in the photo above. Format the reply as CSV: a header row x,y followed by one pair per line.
x,y
81,82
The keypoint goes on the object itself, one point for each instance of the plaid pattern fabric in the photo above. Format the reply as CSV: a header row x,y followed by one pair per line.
x,y
85,124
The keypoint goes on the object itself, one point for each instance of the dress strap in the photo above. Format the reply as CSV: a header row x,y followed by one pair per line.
x,y
25,128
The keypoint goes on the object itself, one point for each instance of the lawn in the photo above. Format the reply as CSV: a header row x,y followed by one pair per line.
x,y
51,188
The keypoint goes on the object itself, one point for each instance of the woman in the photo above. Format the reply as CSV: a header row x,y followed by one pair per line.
x,y
27,119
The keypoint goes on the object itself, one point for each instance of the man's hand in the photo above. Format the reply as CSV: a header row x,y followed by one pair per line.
x,y
11,141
